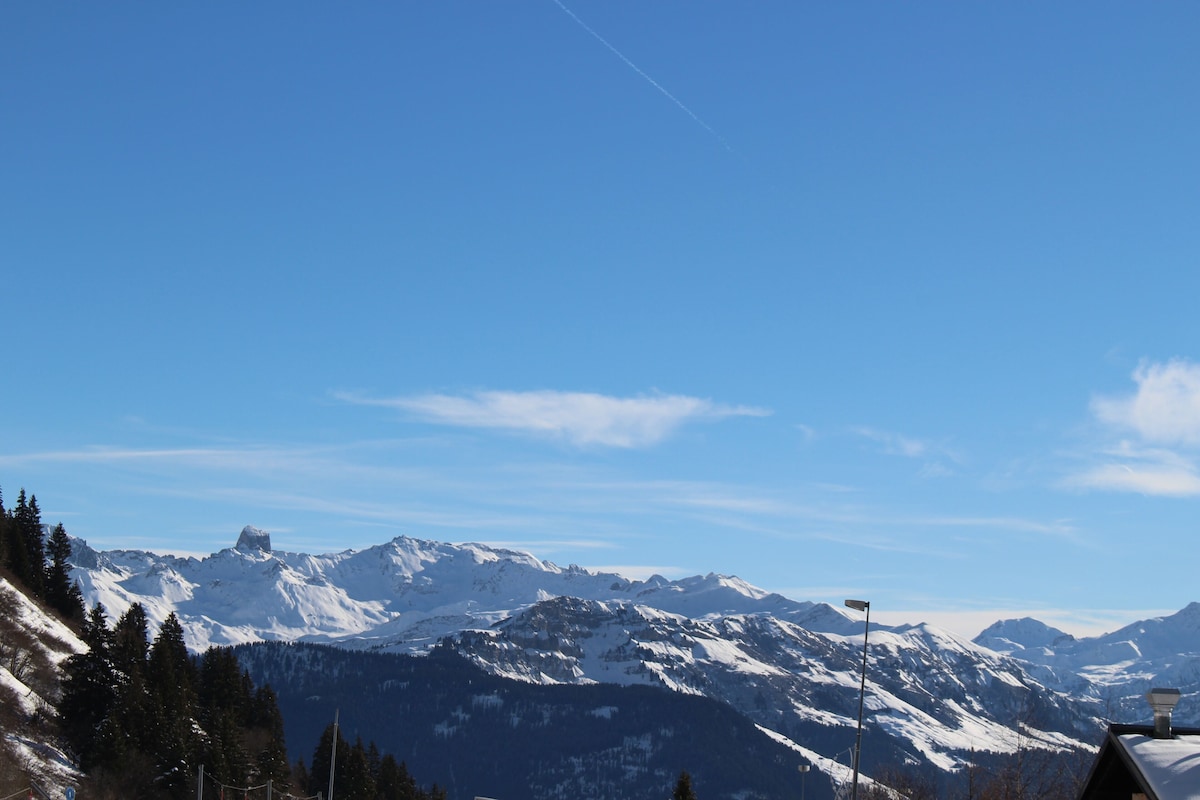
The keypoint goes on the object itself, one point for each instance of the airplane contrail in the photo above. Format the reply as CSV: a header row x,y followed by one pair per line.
x,y
647,78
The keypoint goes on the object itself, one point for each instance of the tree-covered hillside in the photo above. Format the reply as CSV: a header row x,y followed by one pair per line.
x,y
36,562
479,734
143,716
103,708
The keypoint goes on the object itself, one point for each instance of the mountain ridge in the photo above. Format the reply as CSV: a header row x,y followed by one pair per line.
x,y
932,697
403,582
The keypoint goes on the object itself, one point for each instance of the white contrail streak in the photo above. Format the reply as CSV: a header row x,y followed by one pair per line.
x,y
648,79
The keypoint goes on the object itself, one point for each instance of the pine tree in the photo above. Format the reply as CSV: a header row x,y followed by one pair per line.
x,y
31,532
130,646
171,674
351,773
374,761
683,788
127,736
17,555
394,781
222,699
224,757
88,690
354,777
318,773
3,532
62,594
300,777
267,739
171,685
222,686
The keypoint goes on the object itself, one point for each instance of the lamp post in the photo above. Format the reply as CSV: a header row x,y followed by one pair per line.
x,y
860,605
333,752
803,774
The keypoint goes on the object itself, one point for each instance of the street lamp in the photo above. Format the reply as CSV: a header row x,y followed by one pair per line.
x,y
860,605
803,774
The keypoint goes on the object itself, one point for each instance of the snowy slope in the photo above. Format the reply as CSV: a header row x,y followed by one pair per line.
x,y
33,644
1112,672
938,697
791,666
405,593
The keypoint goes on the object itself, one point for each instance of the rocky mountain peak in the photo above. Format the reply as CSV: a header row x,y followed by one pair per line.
x,y
254,539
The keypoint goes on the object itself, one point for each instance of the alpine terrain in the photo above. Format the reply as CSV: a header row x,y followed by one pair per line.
x,y
933,700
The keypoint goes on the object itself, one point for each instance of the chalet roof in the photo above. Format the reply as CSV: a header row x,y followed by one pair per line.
x,y
1132,761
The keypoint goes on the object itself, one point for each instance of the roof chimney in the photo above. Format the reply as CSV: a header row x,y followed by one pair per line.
x,y
1162,701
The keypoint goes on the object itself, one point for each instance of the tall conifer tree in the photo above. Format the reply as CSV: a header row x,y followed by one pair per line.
x,y
267,732
171,683
128,733
31,531
17,555
62,594
88,688
3,532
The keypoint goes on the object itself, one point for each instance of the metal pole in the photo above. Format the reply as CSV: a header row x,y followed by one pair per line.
x,y
200,783
862,691
333,752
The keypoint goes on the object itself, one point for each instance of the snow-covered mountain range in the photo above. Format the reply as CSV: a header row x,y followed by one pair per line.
x,y
403,595
1115,670
793,667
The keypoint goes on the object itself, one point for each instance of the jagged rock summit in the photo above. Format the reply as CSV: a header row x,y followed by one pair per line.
x,y
253,538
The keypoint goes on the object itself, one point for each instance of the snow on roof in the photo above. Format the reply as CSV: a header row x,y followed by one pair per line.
x,y
1171,767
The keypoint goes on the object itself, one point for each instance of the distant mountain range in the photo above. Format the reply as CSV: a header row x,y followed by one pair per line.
x,y
1111,672
791,668
403,595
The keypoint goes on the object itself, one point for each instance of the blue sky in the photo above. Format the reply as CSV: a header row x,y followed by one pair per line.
x,y
880,300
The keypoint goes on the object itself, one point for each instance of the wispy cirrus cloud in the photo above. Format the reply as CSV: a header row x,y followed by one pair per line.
x,y
1155,479
894,443
580,418
1129,468
1157,429
934,454
279,459
197,456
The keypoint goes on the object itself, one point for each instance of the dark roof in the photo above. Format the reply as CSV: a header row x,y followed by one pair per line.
x,y
1132,761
